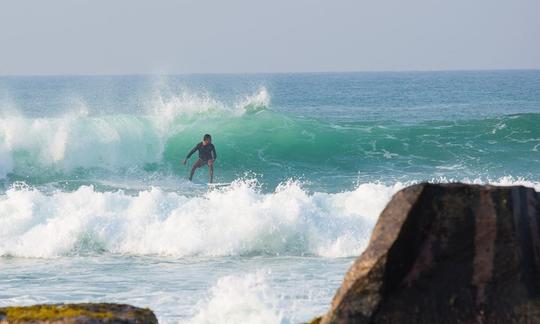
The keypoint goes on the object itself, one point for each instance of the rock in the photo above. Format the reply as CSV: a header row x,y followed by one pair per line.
x,y
448,253
87,313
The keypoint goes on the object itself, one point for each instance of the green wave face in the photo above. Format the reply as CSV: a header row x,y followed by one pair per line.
x,y
271,143
266,141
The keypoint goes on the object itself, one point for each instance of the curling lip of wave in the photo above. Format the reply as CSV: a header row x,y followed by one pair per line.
x,y
189,105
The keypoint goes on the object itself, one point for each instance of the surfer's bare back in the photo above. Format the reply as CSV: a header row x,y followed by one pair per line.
x,y
207,156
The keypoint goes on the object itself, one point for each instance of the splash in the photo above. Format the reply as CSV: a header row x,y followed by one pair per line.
x,y
255,103
189,105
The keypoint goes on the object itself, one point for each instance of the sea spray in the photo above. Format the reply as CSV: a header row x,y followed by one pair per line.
x,y
187,106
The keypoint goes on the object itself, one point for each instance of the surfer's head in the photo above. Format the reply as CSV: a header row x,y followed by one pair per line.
x,y
207,139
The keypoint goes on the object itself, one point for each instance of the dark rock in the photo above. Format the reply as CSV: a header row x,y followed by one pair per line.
x,y
87,313
448,253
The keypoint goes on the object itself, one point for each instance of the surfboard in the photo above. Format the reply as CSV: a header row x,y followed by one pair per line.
x,y
218,184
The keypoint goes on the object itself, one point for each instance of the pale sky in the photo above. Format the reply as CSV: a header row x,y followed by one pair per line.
x,y
236,36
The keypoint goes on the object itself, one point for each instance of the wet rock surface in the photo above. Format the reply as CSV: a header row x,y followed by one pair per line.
x,y
87,313
448,253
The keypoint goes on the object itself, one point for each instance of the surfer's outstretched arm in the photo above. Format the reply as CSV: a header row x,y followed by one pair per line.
x,y
191,152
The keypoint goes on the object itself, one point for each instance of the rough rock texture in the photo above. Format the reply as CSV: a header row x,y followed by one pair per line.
x,y
448,253
77,313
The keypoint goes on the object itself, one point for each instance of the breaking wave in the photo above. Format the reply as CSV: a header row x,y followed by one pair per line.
x,y
238,220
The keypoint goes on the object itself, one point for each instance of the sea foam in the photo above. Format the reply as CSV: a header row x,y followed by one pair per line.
x,y
239,220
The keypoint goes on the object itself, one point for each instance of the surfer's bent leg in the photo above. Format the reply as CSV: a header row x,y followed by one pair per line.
x,y
197,165
211,170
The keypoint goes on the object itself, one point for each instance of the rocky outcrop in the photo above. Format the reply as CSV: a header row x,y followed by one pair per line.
x,y
77,313
448,253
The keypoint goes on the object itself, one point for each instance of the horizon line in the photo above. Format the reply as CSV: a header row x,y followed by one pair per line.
x,y
267,73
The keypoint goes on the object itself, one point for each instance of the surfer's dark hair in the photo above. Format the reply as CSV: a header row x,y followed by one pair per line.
x,y
207,137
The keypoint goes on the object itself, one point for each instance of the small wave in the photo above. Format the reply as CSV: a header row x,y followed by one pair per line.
x,y
239,299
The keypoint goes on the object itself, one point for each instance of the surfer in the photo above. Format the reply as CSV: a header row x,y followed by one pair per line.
x,y
207,156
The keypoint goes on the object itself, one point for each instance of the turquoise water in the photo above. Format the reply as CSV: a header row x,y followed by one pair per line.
x,y
94,199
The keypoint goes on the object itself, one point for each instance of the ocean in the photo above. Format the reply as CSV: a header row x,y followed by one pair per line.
x,y
95,204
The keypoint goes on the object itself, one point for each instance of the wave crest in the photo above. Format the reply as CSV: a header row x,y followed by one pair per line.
x,y
189,105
